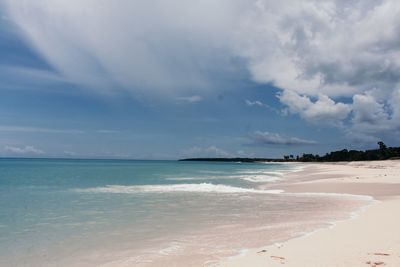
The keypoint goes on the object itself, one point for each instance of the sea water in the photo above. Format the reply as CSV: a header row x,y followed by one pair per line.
x,y
56,212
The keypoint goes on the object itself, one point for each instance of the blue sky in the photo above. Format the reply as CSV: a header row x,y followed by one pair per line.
x,y
227,78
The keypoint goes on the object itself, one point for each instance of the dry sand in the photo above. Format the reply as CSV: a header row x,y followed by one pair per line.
x,y
370,239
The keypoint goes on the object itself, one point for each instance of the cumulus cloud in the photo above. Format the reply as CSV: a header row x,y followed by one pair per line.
x,y
371,114
267,138
23,150
332,59
368,111
304,45
322,110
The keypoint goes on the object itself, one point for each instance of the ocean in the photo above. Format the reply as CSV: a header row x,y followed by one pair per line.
x,y
56,212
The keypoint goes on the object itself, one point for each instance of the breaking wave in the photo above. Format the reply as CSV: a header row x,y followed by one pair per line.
x,y
255,177
194,188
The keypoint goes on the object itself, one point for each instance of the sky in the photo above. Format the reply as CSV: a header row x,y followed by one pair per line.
x,y
211,78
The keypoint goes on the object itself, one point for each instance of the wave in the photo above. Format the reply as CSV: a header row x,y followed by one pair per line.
x,y
250,178
194,188
185,178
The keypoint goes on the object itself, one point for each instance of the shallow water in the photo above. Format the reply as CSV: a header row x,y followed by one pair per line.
x,y
148,213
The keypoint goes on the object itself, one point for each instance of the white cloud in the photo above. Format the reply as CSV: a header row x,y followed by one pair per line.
x,y
393,102
104,131
304,46
334,51
372,114
214,151
210,151
323,110
368,111
254,103
28,129
190,99
137,45
30,75
267,138
69,153
23,150
258,103
244,154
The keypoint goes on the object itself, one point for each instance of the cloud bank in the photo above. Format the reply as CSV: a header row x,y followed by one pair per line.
x,y
337,62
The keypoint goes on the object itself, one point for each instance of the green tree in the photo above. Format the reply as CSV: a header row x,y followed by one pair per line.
x,y
382,146
383,153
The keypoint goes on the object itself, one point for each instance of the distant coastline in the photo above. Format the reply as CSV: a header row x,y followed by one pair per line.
x,y
250,160
382,153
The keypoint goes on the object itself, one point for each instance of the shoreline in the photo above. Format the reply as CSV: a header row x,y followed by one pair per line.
x,y
369,237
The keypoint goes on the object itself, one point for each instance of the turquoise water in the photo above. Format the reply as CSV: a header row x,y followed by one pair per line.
x,y
144,213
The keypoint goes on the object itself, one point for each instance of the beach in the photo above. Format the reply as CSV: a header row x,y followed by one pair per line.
x,y
370,238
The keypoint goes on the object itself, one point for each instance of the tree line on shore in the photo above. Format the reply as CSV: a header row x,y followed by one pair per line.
x,y
382,153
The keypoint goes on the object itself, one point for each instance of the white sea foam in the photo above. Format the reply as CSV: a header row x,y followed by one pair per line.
x,y
259,178
255,177
195,188
321,194
184,178
213,172
274,173
172,248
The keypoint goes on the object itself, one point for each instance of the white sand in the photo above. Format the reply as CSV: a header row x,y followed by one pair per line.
x,y
371,239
